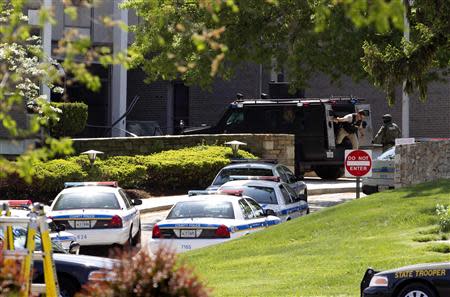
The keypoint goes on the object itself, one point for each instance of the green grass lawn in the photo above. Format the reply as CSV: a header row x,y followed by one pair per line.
x,y
327,253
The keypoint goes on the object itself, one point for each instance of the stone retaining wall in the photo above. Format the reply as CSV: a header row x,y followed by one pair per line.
x,y
267,146
420,162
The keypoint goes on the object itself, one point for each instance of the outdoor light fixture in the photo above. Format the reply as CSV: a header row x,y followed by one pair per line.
x,y
235,146
92,155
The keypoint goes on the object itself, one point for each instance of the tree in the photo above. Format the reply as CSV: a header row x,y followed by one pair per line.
x,y
197,40
24,67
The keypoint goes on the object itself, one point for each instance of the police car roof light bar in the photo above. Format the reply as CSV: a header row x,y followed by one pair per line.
x,y
250,177
201,192
231,192
271,161
19,203
113,184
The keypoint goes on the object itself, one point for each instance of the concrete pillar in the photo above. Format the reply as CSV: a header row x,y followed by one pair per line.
x,y
47,44
119,73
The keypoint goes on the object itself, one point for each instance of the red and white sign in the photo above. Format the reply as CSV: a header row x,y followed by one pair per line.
x,y
358,163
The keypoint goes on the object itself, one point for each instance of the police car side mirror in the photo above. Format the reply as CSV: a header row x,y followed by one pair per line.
x,y
60,227
74,248
137,201
269,212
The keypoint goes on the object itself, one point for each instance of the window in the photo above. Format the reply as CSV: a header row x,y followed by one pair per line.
x,y
283,176
86,200
202,209
246,209
128,203
289,175
291,192
286,197
224,175
262,195
257,209
236,118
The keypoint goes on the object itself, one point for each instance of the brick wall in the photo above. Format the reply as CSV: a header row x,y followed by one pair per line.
x,y
421,162
152,104
267,146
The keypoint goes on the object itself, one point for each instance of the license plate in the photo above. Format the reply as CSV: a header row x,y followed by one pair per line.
x,y
187,233
82,224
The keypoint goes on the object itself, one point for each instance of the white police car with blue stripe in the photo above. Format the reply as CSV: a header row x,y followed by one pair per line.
x,y
270,193
98,213
209,219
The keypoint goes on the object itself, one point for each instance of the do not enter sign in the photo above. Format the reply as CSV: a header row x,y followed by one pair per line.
x,y
358,163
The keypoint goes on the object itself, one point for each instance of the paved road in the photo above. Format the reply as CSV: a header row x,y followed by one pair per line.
x,y
316,203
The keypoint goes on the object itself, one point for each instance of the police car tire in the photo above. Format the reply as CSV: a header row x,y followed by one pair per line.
x,y
137,237
416,290
67,286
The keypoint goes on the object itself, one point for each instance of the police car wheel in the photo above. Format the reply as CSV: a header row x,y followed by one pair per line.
x,y
137,237
67,287
416,290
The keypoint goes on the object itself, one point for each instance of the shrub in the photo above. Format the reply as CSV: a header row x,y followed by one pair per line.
x,y
72,120
443,214
178,170
145,275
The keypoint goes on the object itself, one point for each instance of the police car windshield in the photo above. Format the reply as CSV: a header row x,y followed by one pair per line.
x,y
86,200
262,195
202,209
224,175
20,238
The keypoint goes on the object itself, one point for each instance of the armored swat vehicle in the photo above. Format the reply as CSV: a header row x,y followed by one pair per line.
x,y
309,119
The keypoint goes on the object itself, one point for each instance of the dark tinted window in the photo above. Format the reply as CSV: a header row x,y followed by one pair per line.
x,y
202,209
20,239
224,175
263,195
127,200
87,200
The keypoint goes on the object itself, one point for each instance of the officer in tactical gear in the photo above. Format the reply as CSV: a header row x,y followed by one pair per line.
x,y
387,133
350,125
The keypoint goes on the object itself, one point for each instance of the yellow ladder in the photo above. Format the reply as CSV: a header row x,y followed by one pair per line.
x,y
36,222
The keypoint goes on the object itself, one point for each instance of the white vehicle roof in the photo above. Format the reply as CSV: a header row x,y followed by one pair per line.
x,y
215,197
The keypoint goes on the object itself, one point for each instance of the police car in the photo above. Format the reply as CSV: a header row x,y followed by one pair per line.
x,y
98,213
58,235
272,194
209,219
383,171
423,280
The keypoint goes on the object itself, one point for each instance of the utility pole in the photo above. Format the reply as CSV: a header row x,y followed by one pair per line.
x,y
405,95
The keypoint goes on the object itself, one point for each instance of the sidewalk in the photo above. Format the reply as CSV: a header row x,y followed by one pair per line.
x,y
316,186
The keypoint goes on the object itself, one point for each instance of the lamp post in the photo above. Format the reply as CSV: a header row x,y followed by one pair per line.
x,y
235,146
92,155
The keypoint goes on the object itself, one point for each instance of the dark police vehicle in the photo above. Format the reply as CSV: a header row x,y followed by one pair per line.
x,y
423,280
309,119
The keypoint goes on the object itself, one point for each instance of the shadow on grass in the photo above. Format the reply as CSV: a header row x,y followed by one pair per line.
x,y
434,188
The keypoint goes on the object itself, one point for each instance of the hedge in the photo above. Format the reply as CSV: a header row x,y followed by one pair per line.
x,y
72,120
174,170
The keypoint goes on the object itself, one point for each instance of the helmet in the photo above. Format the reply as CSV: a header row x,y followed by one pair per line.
x,y
387,118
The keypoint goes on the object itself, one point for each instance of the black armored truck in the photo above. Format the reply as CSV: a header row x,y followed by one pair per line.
x,y
309,119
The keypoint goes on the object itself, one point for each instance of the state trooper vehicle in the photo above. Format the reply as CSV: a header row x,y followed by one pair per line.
x,y
309,119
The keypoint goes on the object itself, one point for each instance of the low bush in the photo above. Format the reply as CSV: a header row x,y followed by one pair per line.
x,y
173,171
72,119
148,275
443,214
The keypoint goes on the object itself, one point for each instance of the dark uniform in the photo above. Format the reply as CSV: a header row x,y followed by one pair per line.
x,y
387,133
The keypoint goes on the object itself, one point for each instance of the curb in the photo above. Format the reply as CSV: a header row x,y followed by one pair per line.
x,y
310,192
331,190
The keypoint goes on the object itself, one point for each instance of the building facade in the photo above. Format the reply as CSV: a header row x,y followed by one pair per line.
x,y
164,104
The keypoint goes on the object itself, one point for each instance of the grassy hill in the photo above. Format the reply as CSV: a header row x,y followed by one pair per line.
x,y
327,253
